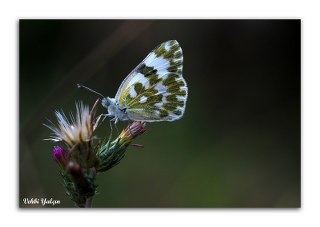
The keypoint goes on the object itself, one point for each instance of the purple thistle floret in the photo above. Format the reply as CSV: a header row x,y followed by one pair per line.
x,y
59,155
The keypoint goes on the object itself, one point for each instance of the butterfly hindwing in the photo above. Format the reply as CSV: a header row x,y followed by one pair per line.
x,y
155,90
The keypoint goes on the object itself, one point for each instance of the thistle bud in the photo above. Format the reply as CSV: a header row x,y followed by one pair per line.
x,y
131,132
74,170
111,153
59,156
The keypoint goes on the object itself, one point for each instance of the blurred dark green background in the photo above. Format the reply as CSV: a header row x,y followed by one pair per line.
x,y
238,144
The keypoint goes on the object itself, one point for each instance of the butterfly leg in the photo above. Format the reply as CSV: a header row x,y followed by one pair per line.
x,y
106,115
115,124
115,119
129,125
99,121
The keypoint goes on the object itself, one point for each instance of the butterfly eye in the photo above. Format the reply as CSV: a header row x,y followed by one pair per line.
x,y
105,102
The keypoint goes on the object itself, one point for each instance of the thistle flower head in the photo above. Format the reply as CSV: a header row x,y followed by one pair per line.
x,y
74,131
83,157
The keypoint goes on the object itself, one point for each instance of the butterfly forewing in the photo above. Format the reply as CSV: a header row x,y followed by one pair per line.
x,y
155,90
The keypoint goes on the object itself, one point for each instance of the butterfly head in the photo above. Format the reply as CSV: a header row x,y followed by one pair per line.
x,y
106,102
113,109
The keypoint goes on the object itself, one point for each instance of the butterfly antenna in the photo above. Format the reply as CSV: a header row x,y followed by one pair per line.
x,y
88,89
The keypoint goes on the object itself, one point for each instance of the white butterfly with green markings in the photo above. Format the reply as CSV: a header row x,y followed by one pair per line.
x,y
154,91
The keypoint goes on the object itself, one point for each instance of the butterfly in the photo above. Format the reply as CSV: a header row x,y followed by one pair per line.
x,y
154,91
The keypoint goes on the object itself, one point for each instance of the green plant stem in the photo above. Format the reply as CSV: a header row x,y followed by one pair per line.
x,y
88,202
